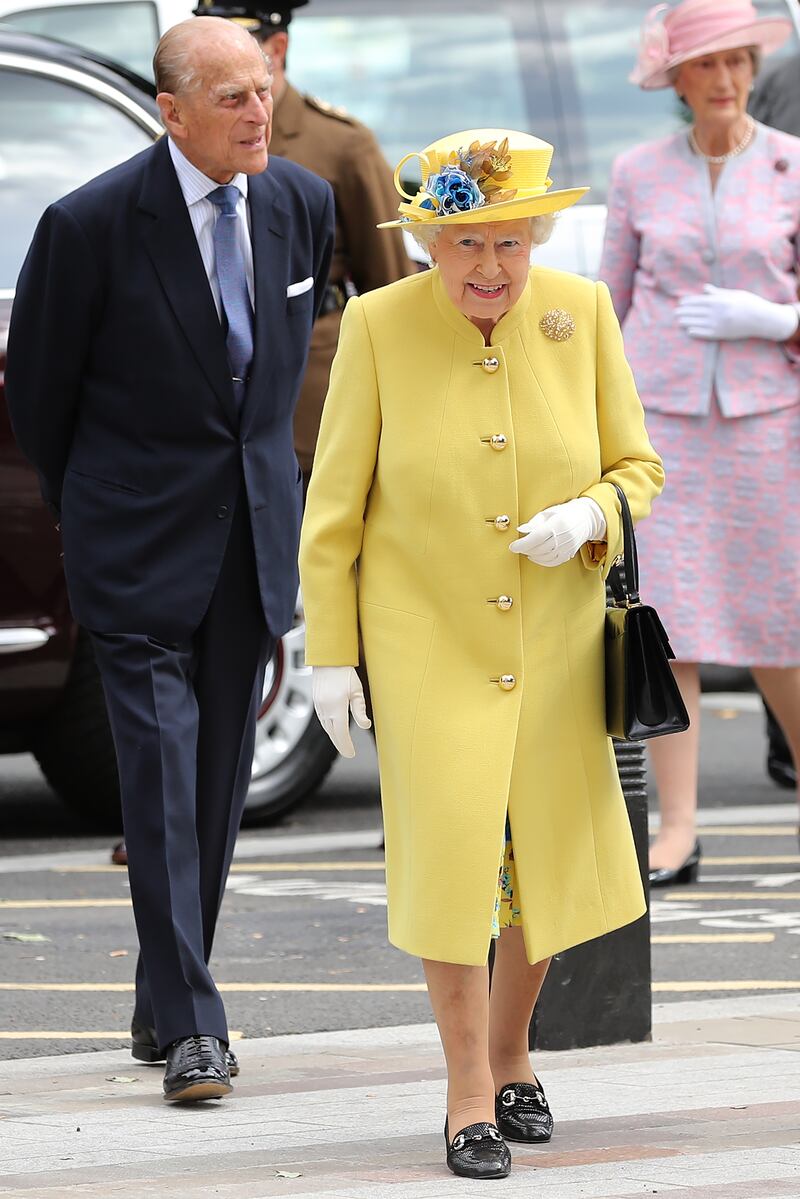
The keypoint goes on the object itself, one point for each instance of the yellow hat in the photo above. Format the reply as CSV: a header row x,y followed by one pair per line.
x,y
481,176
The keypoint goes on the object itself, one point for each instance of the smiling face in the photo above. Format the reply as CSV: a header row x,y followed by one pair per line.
x,y
484,268
717,86
221,119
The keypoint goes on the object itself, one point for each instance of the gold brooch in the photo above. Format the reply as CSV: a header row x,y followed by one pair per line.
x,y
557,324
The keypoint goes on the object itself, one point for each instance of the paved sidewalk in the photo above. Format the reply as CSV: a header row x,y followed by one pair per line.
x,y
711,1108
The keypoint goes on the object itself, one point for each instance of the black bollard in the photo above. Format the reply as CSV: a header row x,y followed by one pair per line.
x,y
599,993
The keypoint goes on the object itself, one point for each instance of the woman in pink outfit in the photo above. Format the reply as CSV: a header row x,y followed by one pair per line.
x,y
701,257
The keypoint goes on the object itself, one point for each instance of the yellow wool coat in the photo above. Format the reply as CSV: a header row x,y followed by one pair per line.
x,y
409,517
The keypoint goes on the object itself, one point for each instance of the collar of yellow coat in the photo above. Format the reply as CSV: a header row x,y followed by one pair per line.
x,y
464,327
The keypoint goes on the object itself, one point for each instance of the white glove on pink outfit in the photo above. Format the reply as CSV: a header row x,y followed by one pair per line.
x,y
726,314
556,534
337,691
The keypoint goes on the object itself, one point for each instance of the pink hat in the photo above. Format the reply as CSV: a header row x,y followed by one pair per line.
x,y
698,27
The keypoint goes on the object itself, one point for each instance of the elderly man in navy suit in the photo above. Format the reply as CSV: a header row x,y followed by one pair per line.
x,y
157,346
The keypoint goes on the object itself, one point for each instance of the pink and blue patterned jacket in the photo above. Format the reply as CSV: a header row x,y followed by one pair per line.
x,y
668,234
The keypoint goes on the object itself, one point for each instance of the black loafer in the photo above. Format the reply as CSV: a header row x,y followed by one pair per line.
x,y
144,1048
478,1151
196,1070
523,1113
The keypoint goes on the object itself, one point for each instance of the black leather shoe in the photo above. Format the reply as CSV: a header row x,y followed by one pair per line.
x,y
780,763
478,1151
523,1113
144,1048
196,1070
782,771
687,873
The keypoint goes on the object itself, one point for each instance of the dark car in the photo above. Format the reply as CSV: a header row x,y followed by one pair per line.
x,y
67,116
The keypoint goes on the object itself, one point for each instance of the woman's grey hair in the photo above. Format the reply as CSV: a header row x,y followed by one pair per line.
x,y
541,228
756,57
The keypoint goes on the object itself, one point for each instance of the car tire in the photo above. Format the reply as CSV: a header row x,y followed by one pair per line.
x,y
75,749
293,754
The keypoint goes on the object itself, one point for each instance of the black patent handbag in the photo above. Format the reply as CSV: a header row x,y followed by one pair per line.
x,y
642,696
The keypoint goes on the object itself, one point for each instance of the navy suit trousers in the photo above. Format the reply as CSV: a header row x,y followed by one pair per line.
x,y
183,718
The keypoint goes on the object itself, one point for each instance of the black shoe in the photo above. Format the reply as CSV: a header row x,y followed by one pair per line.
x,y
478,1151
782,771
523,1113
144,1048
196,1069
780,763
687,873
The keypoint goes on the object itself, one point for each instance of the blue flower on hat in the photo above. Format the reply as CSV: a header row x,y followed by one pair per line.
x,y
453,191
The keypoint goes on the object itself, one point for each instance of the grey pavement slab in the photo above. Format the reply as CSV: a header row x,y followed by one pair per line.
x,y
710,1108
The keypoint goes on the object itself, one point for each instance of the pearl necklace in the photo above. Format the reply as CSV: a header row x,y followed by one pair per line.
x,y
718,159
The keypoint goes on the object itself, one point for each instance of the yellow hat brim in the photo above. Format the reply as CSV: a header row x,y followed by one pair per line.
x,y
508,210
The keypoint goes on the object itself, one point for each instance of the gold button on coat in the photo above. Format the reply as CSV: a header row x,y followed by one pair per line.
x,y
501,523
506,682
503,602
490,365
498,441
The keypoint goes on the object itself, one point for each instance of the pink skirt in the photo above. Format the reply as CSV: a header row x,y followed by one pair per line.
x,y
720,554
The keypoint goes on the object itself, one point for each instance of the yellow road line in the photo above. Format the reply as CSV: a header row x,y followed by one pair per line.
x,y
761,894
709,938
778,859
244,867
29,904
738,984
749,830
46,1034
230,988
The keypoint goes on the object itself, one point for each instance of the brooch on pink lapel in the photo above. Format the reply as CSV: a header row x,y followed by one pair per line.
x,y
557,324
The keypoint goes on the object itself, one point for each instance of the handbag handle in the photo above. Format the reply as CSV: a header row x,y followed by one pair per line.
x,y
631,559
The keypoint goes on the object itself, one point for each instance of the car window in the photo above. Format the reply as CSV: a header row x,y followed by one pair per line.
x,y
594,47
556,69
415,74
126,32
57,138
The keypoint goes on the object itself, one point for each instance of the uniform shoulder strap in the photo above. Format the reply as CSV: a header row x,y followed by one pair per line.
x,y
329,110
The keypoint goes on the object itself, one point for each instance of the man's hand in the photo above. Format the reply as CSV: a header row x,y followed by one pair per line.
x,y
726,314
337,691
556,534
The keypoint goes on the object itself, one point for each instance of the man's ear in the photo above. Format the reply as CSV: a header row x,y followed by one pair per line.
x,y
276,46
171,115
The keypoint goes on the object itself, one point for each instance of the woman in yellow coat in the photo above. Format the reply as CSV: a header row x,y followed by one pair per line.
x,y
469,404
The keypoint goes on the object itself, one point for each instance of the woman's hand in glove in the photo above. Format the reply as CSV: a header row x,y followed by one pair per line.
x,y
337,691
725,314
556,534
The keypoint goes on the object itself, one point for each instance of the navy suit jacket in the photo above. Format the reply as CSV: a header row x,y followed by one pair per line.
x,y
120,394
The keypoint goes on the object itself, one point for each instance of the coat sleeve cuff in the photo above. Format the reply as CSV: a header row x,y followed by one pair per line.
x,y
601,555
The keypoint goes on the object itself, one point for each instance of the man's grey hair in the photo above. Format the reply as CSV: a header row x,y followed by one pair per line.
x,y
175,60
173,66
541,228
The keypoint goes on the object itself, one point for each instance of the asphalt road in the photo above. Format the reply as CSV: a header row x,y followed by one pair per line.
x,y
302,940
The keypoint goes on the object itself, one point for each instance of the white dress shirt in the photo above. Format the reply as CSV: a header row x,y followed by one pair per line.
x,y
203,215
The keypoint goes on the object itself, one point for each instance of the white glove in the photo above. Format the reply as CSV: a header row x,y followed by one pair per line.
x,y
725,314
556,534
337,691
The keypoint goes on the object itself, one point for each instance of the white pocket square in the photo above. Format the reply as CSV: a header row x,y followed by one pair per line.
x,y
297,289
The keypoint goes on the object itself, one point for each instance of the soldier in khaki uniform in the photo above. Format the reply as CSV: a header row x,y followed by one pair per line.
x,y
331,143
